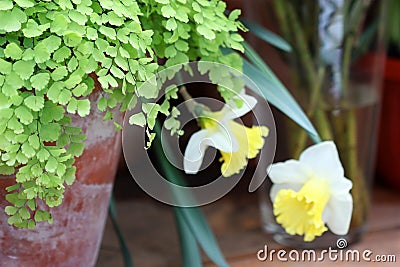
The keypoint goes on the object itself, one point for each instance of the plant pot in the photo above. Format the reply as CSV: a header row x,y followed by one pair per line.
x,y
387,167
73,239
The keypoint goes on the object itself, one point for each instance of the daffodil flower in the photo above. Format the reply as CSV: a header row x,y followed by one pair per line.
x,y
312,191
236,142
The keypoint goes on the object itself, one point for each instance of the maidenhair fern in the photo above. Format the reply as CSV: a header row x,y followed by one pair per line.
x,y
51,52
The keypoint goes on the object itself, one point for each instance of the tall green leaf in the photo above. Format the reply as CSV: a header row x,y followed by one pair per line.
x,y
265,83
192,217
267,35
123,245
189,248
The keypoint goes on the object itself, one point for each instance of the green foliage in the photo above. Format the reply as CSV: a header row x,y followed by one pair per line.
x,y
50,54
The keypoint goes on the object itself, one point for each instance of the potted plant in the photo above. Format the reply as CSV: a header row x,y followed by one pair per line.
x,y
68,71
388,143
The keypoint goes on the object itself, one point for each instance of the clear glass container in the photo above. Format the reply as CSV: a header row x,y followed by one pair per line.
x,y
334,71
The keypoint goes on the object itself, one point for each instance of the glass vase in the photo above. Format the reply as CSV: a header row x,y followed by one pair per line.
x,y
334,70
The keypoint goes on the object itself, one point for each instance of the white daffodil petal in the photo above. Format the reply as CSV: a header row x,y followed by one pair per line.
x,y
337,213
232,111
275,188
194,152
222,140
341,185
324,160
290,171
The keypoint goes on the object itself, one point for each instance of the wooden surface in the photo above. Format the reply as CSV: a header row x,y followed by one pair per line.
x,y
150,231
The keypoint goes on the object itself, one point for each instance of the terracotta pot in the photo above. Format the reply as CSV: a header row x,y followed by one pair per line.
x,y
75,235
388,167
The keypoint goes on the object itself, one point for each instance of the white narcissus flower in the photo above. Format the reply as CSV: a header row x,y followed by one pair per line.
x,y
236,142
312,191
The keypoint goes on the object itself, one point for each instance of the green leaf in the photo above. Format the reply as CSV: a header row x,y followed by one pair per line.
x,y
78,17
109,32
24,68
14,81
54,91
21,158
275,92
51,165
70,175
10,210
59,25
123,52
42,54
171,24
117,72
72,39
41,216
206,32
91,34
59,73
51,112
9,22
168,12
72,106
34,141
76,149
24,115
31,204
86,48
49,132
64,97
102,104
5,67
28,150
170,51
267,35
73,64
83,107
80,90
35,103
52,43
182,45
40,81
15,125
6,170
13,51
24,3
189,249
182,15
62,54
192,217
148,90
43,155
6,5
24,213
138,119
32,29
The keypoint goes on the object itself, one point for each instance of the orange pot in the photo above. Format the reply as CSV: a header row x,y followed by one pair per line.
x,y
75,235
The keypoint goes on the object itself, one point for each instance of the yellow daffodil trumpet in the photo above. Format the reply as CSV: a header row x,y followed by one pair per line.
x,y
311,192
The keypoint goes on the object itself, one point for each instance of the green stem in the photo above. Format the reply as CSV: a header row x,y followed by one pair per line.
x,y
280,12
311,112
302,47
